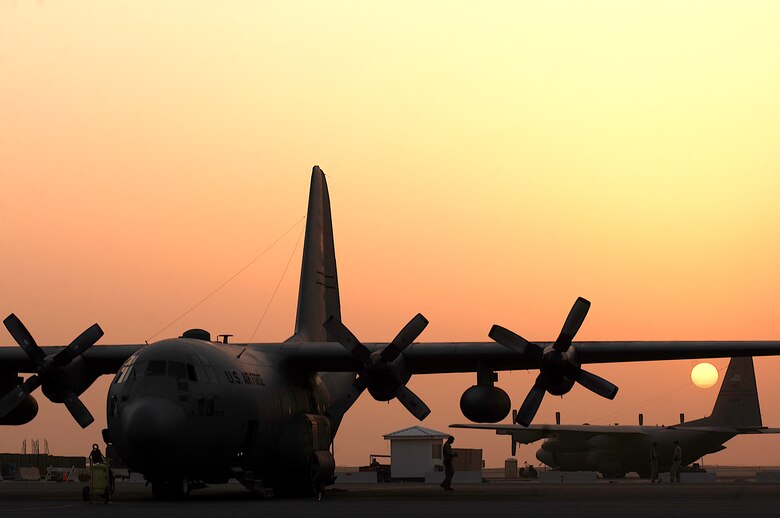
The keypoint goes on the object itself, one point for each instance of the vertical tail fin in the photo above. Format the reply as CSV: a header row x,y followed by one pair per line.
x,y
737,404
318,293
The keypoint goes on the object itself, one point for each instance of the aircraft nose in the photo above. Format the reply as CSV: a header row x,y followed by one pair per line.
x,y
153,424
545,457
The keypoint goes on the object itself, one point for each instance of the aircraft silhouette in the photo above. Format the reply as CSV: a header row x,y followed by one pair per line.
x,y
619,449
188,411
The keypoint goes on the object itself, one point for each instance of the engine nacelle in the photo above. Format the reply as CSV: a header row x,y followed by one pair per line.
x,y
385,378
26,410
483,404
22,414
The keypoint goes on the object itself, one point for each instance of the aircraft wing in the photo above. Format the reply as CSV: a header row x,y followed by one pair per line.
x,y
535,432
100,359
444,357
736,430
431,357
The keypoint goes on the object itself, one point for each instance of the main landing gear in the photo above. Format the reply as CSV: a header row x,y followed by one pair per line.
x,y
177,488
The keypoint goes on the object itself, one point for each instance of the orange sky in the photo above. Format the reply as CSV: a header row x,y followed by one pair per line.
x,y
487,164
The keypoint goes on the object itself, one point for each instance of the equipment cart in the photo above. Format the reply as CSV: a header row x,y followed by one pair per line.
x,y
101,483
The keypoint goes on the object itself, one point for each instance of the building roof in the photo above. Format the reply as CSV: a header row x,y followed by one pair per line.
x,y
416,432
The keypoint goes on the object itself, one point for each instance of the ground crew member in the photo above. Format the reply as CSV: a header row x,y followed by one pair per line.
x,y
674,474
95,456
449,471
654,463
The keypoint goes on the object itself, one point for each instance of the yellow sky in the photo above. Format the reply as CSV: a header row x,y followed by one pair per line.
x,y
487,164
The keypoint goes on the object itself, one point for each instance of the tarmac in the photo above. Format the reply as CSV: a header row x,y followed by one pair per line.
x,y
496,498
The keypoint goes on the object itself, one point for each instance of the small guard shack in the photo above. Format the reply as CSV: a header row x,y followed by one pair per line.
x,y
415,451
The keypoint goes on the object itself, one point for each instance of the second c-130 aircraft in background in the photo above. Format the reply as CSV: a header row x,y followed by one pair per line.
x,y
614,450
189,411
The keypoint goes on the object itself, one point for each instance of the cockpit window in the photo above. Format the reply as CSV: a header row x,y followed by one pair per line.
x,y
191,374
177,369
196,369
155,368
199,369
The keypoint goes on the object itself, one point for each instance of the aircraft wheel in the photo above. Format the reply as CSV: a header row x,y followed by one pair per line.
x,y
175,489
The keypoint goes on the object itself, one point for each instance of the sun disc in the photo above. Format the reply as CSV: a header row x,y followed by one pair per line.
x,y
704,375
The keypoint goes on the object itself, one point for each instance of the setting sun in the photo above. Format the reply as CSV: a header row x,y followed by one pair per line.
x,y
704,375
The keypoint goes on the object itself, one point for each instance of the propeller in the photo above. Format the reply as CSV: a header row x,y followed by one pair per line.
x,y
381,372
50,375
558,365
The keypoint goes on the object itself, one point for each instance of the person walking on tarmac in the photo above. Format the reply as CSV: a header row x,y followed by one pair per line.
x,y
674,474
654,463
449,471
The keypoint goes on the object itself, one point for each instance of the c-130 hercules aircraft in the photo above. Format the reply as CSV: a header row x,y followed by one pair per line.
x,y
615,450
188,411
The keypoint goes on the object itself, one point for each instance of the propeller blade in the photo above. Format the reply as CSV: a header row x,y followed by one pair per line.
x,y
573,322
596,384
81,343
532,402
514,342
412,403
408,334
18,394
514,445
77,409
24,338
338,408
344,336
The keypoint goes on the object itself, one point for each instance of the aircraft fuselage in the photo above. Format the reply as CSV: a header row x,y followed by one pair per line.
x,y
618,454
197,409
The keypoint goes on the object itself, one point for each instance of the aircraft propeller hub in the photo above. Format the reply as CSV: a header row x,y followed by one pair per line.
x,y
375,364
53,388
558,366
46,365
382,372
552,360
